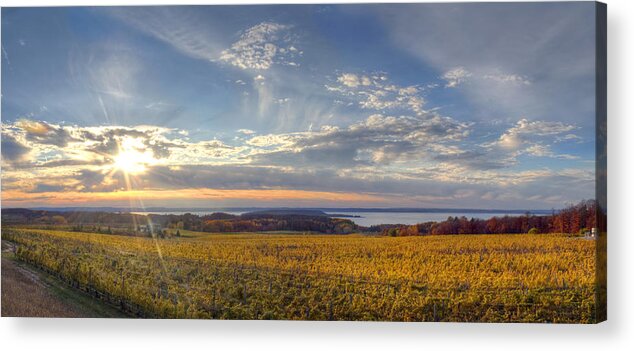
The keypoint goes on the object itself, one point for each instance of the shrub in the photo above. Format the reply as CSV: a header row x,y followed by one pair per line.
x,y
533,231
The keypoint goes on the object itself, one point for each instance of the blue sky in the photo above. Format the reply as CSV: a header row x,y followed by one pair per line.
x,y
420,105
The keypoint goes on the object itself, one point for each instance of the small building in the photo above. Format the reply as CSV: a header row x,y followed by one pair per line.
x,y
590,234
144,228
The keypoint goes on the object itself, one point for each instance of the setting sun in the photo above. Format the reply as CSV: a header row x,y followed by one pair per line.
x,y
132,158
130,161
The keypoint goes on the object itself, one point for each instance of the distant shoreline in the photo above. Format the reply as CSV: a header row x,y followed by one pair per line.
x,y
330,210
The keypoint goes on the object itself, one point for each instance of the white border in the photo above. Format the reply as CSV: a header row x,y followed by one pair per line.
x,y
616,334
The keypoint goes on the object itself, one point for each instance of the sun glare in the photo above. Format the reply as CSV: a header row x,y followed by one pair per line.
x,y
130,159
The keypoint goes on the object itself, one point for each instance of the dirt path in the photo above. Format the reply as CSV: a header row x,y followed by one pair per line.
x,y
27,292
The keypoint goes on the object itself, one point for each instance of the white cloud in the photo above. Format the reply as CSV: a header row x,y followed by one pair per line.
x,y
275,142
378,139
540,150
508,78
261,46
375,92
524,131
455,76
460,75
568,137
540,128
349,80
532,138
411,90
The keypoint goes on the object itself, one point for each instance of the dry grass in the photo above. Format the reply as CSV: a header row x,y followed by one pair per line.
x,y
27,292
25,295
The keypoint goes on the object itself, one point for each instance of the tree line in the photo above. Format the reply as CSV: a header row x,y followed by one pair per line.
x,y
572,219
575,219
163,225
298,223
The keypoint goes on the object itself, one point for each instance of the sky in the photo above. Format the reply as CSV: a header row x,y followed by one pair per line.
x,y
455,105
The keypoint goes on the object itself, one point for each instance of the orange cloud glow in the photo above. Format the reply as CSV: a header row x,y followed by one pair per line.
x,y
17,198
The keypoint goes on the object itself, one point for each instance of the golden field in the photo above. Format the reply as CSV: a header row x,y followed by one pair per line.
x,y
477,278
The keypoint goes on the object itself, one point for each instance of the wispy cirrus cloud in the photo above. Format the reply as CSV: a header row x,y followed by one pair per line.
x,y
460,75
180,27
517,73
507,78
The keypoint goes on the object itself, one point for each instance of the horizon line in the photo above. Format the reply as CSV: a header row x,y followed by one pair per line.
x,y
200,209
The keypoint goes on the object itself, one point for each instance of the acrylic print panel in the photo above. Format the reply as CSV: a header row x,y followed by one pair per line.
x,y
384,162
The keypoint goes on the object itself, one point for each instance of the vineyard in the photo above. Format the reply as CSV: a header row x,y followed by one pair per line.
x,y
486,278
